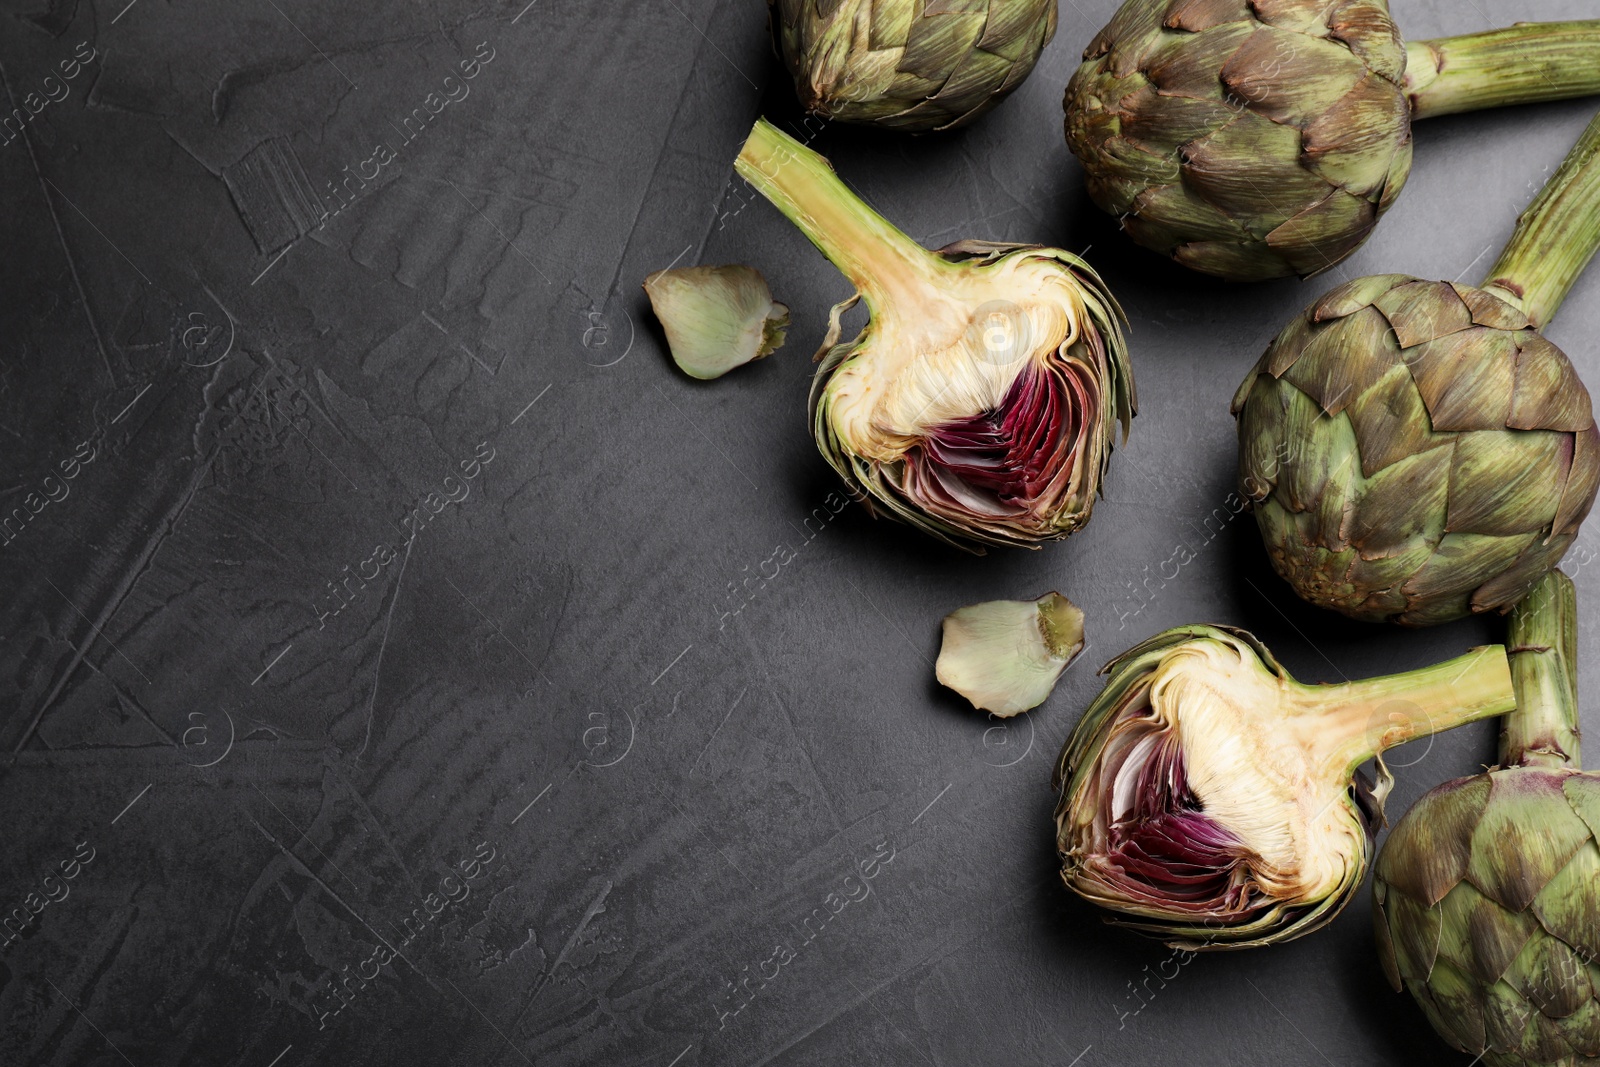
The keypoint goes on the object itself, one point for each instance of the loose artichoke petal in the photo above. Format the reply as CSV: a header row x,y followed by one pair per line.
x,y
716,318
1006,655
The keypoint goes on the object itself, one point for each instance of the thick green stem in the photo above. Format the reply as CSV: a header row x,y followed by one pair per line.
x,y
1556,237
1359,720
884,264
1543,731
1520,64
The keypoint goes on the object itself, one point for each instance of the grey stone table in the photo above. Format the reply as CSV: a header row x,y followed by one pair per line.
x,y
400,676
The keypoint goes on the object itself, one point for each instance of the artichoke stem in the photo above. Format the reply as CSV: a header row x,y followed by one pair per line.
x,y
1556,236
887,267
1363,719
1543,731
1520,64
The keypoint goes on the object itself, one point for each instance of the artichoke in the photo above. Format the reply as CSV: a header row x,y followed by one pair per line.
x,y
1416,451
1487,892
979,403
912,65
1256,139
1208,798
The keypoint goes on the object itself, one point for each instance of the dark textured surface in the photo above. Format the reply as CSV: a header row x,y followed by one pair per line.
x,y
592,667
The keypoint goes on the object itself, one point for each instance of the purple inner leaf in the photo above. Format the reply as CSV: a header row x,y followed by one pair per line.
x,y
1015,460
1161,847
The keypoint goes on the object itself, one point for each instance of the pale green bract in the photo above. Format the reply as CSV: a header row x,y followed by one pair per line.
x,y
716,318
1006,655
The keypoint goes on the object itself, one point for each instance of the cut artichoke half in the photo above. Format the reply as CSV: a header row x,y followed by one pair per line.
x,y
1006,655
716,318
1210,799
980,401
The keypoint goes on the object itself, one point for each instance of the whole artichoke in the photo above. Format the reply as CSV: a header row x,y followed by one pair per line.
x,y
1210,799
1416,451
1256,139
911,65
980,402
1487,892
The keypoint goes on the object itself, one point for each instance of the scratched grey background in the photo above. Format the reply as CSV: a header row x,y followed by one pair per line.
x,y
614,785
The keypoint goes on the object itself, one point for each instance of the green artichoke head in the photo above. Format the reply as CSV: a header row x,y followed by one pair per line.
x,y
1415,452
1247,139
1487,899
911,65
1487,892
